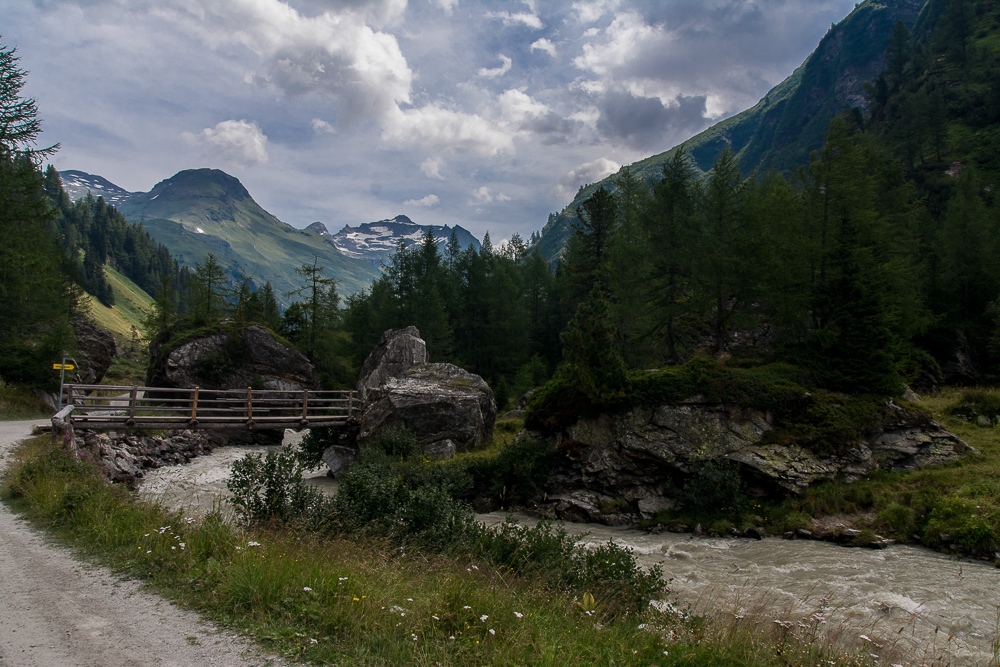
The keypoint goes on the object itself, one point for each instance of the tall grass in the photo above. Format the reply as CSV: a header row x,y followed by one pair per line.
x,y
360,600
20,402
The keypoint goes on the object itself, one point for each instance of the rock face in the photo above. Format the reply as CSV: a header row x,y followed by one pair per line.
x,y
124,459
396,352
437,402
96,349
219,361
645,456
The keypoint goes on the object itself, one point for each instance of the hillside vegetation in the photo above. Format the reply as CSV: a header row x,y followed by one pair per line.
x,y
782,129
202,211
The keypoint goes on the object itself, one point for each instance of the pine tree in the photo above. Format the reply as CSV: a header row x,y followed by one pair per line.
x,y
207,299
593,361
670,219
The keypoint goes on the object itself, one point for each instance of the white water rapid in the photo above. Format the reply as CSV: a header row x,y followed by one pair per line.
x,y
929,607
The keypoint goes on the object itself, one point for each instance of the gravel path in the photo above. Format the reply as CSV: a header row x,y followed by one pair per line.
x,y
56,611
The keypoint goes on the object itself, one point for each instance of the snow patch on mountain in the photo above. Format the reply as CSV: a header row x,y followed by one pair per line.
x,y
377,241
78,183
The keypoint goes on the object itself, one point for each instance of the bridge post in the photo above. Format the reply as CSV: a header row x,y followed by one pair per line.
x,y
194,409
249,408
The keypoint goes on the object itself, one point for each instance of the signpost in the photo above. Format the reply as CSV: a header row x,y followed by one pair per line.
x,y
62,368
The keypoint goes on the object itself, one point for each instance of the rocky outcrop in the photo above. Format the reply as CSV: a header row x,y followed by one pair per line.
x,y
232,359
95,350
646,456
397,351
125,459
437,402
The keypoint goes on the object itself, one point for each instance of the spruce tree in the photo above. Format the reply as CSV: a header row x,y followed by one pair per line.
x,y
592,358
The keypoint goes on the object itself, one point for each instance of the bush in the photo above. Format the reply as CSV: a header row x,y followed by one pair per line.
x,y
976,402
897,519
608,572
394,441
271,488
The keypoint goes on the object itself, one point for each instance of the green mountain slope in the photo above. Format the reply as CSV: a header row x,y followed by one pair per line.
x,y
783,128
201,211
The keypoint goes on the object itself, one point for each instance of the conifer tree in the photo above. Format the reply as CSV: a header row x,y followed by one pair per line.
x,y
593,361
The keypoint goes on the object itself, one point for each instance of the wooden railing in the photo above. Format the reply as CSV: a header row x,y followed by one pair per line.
x,y
109,408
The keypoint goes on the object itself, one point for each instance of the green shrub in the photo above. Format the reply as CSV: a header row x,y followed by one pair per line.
x,y
976,402
962,524
271,488
609,572
897,519
395,441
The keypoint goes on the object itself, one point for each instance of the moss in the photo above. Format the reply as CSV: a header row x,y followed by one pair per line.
x,y
817,420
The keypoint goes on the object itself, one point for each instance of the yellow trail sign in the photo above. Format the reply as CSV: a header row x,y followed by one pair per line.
x,y
63,367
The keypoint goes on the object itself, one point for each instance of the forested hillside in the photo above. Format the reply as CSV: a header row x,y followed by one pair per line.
x,y
93,233
788,124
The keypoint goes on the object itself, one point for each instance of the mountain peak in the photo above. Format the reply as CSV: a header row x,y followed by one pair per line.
x,y
318,228
212,182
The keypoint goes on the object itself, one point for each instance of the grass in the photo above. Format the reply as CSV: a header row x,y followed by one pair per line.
x,y
19,402
356,600
131,302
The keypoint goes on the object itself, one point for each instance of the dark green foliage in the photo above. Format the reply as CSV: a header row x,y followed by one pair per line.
x,y
978,402
608,572
271,488
814,419
37,290
593,362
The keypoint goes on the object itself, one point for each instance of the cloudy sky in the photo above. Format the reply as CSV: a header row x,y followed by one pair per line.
x,y
484,114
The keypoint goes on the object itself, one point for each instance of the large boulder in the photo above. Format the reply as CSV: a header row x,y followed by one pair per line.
x,y
95,350
231,359
397,351
647,455
437,402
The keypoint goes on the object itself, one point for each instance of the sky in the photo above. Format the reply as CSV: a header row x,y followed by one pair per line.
x,y
489,115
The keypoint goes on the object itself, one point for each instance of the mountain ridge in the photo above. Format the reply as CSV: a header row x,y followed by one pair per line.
x,y
788,123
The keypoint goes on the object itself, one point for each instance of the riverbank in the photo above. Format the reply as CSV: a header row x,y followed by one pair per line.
x,y
358,600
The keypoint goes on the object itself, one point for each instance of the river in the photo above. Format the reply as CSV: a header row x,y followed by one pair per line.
x,y
929,607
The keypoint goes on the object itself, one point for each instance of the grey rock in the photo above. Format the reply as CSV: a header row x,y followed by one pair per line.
x,y
909,395
442,449
512,414
647,454
397,351
278,366
435,401
95,350
339,458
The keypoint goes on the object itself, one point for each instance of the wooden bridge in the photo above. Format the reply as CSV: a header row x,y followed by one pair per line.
x,y
110,408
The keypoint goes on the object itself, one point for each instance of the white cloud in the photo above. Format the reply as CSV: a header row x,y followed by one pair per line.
x,y
517,105
428,201
502,197
588,172
431,168
627,35
544,45
236,141
445,130
591,10
320,125
530,20
447,5
499,71
335,53
483,194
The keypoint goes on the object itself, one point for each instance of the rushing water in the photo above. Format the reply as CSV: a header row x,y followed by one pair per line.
x,y
923,603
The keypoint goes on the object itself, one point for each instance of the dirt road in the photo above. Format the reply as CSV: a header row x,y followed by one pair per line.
x,y
56,611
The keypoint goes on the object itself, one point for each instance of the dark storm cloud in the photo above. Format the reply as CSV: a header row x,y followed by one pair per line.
x,y
642,122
